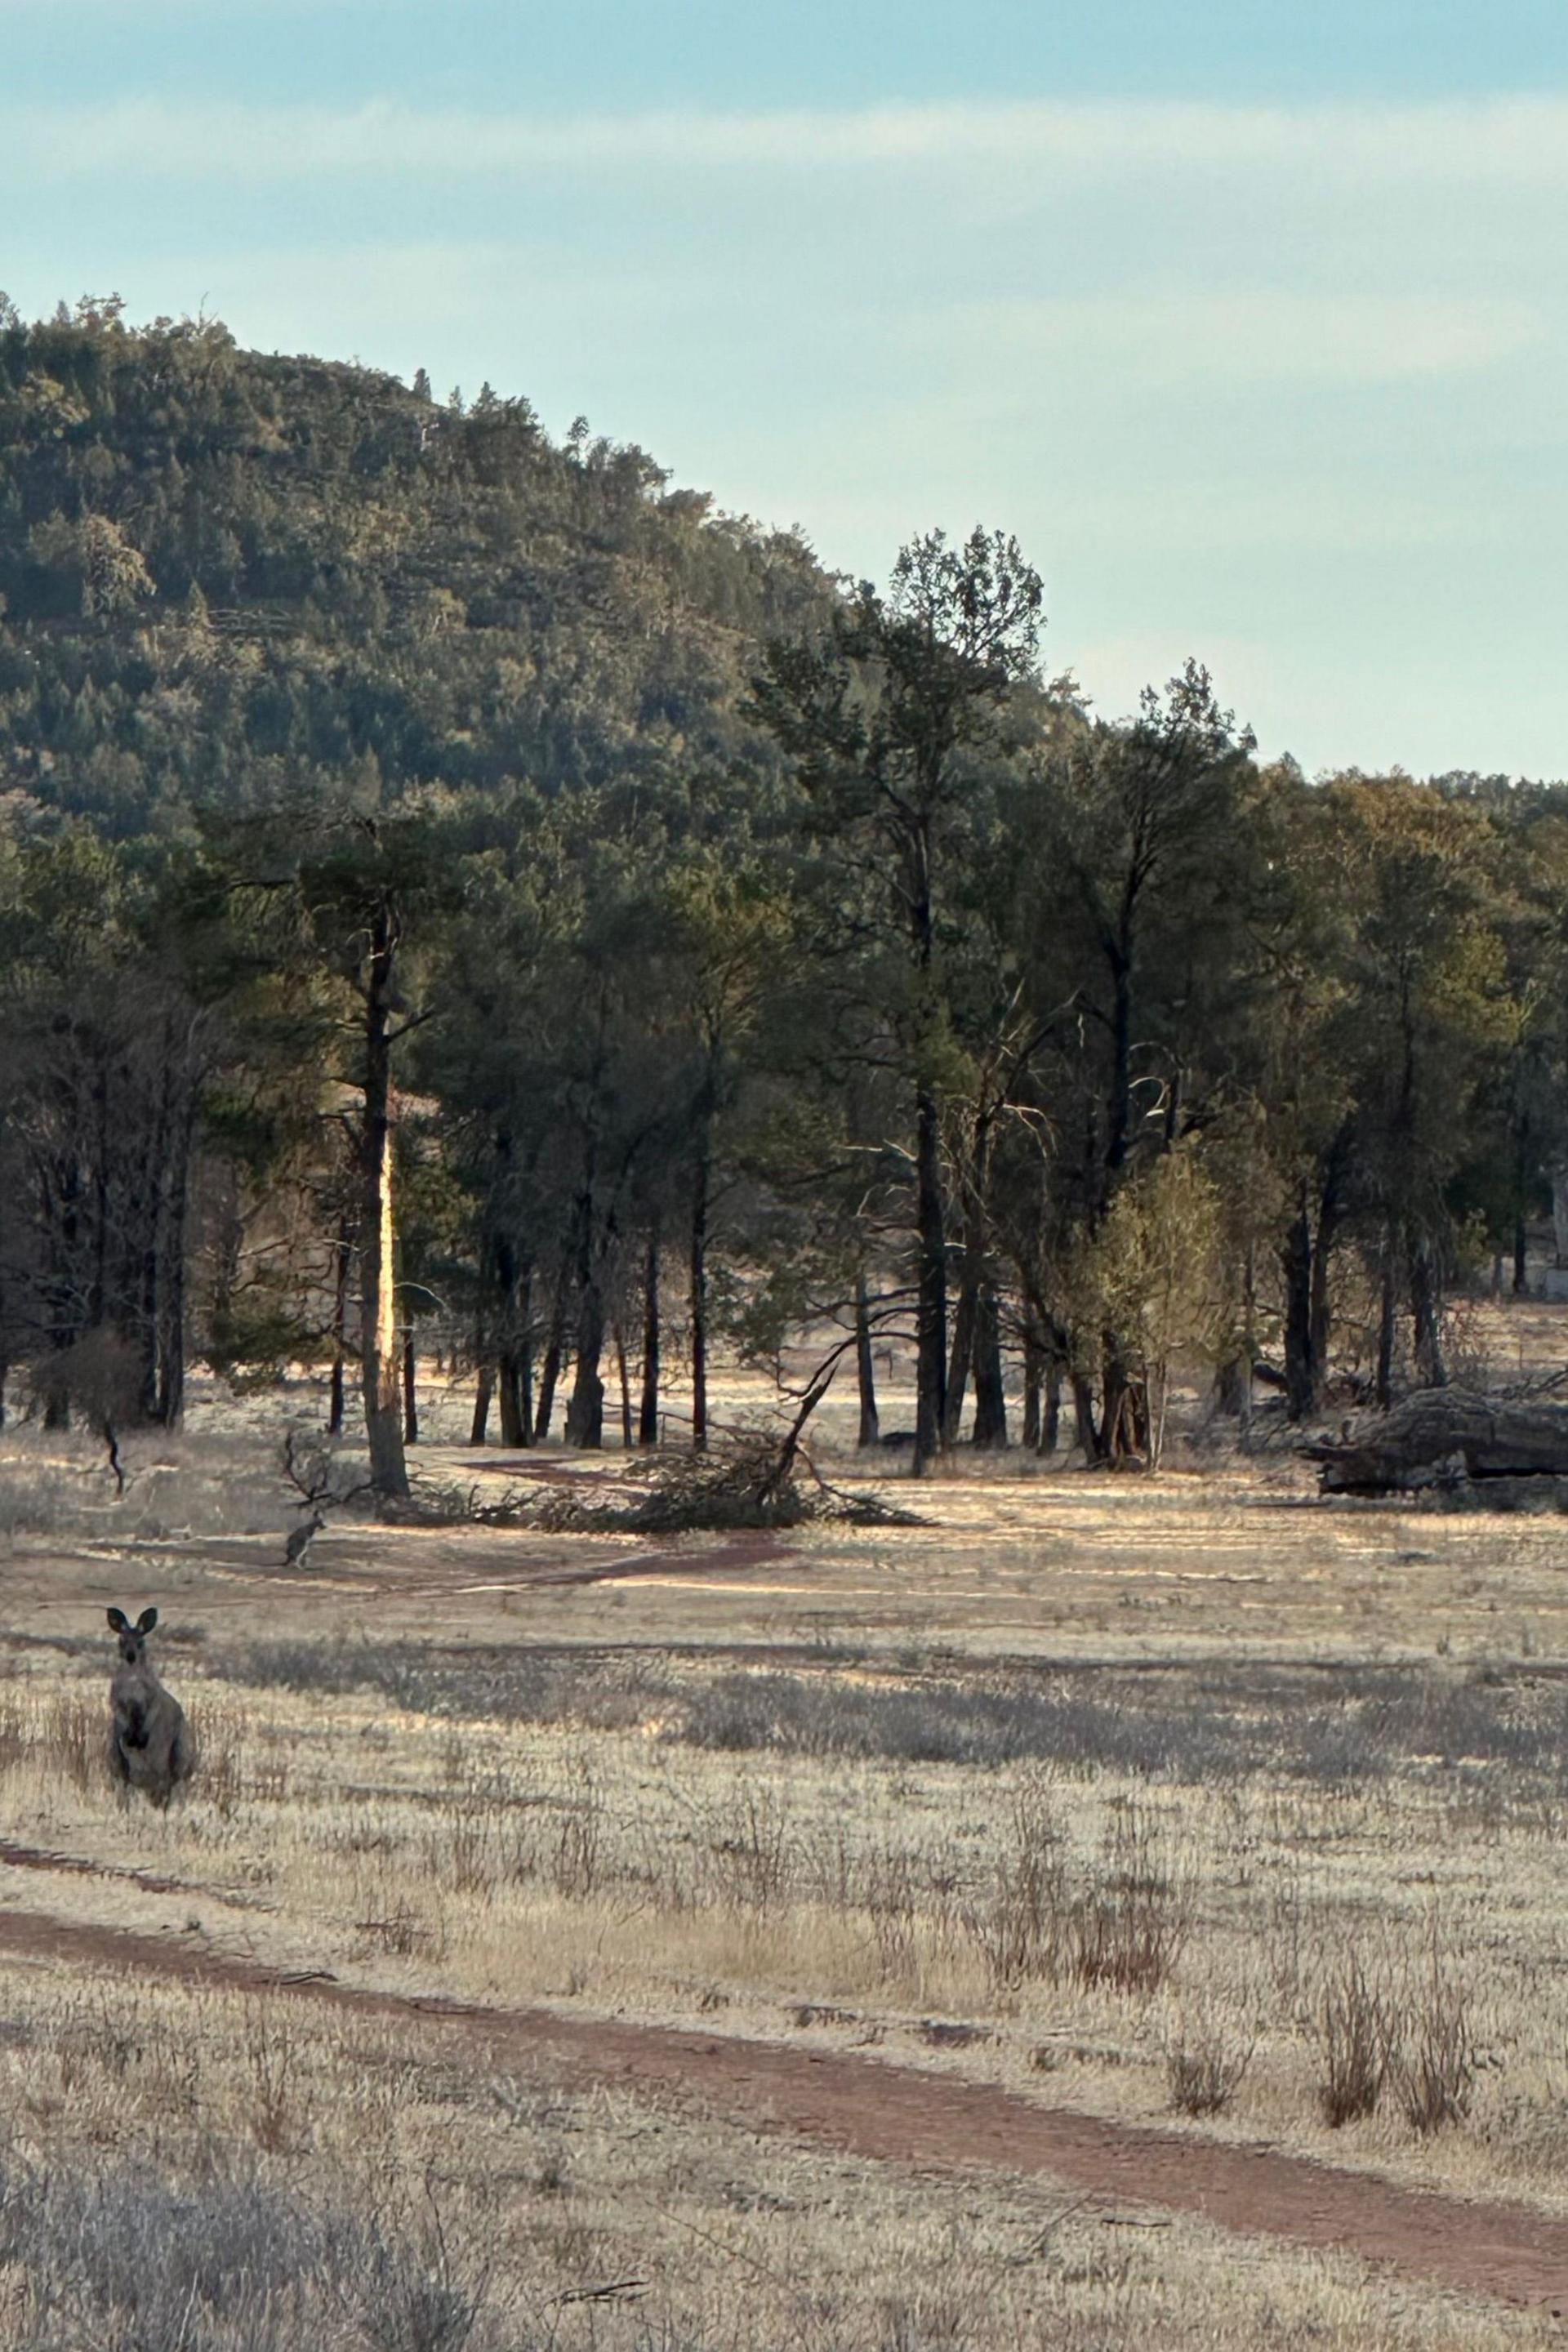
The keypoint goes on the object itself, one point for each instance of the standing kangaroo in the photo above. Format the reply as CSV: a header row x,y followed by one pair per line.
x,y
150,1743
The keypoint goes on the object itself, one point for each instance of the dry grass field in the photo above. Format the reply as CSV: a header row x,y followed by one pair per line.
x,y
837,1873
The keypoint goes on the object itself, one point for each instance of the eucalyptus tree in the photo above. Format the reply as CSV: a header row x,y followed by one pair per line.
x,y
886,714
1131,835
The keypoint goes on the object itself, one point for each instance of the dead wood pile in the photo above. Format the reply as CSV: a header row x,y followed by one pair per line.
x,y
748,1482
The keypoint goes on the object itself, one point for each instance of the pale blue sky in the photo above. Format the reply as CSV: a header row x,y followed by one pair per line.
x,y
1250,318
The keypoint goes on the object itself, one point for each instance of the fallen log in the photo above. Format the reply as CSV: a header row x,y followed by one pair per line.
x,y
1443,1436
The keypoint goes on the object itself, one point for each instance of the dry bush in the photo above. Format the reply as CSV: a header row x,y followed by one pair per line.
x,y
400,1934
754,1848
891,1903
1355,2024
1128,1926
1021,1928
1405,2027
465,1852
1436,2062
1206,2063
1120,1922
577,1864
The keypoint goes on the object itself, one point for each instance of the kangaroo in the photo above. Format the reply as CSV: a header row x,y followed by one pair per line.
x,y
150,1743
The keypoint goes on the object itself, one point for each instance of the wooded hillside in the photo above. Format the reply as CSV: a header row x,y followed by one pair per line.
x,y
457,891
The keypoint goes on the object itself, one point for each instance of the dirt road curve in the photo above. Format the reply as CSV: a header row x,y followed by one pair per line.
x,y
900,2114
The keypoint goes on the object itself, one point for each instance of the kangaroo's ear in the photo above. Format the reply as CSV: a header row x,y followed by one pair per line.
x,y
117,1619
148,1619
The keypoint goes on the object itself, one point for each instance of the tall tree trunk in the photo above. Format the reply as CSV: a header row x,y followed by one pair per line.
x,y
864,1366
509,1356
513,1369
62,1203
1124,1415
1328,1212
585,1409
961,1355
555,1343
1119,1123
172,1290
1388,1312
990,1393
585,1412
1034,1385
1560,1212
98,1295
930,1342
647,1408
522,1360
410,1392
626,1440
342,1258
509,1397
1088,1437
1425,1313
151,1208
378,1239
1520,1259
1300,1366
1051,1421
699,1188
966,1318
482,1395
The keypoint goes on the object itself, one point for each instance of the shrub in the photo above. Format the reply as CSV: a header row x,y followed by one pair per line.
x,y
1021,1930
1356,2025
1436,2065
1127,1927
1206,2065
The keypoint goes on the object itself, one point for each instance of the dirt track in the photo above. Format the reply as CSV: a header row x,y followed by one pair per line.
x,y
900,2114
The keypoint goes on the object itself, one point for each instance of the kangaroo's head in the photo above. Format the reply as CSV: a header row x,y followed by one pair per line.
x,y
133,1638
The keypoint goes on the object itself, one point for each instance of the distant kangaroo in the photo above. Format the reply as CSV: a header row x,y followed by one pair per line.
x,y
150,1743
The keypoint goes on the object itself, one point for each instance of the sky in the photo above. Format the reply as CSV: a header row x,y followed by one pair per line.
x,y
1250,317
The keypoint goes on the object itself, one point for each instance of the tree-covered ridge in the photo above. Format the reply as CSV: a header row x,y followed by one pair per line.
x,y
220,568
455,891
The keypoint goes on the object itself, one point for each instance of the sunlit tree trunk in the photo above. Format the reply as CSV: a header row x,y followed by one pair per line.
x,y
343,1256
378,1236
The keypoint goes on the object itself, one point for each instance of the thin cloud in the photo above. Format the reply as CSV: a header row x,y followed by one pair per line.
x,y
1521,141
1250,337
